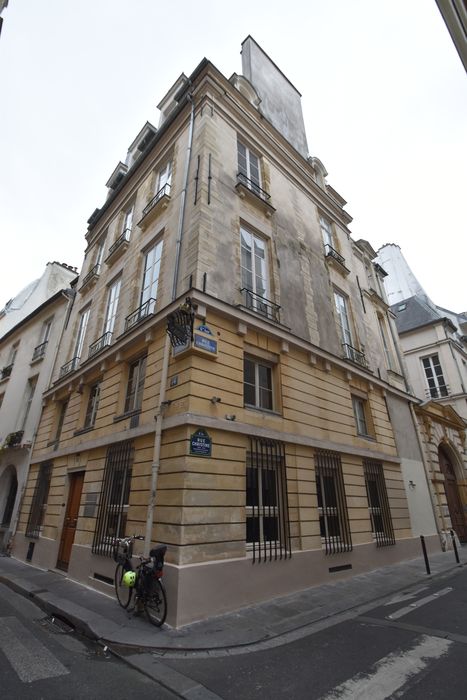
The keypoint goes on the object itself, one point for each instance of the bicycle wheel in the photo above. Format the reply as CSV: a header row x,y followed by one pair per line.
x,y
123,592
155,602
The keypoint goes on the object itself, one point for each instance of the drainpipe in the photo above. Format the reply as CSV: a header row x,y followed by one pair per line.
x,y
166,357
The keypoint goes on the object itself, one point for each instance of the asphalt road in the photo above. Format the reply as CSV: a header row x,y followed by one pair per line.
x,y
42,660
414,647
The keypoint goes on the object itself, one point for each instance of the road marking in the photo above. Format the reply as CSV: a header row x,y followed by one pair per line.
x,y
402,597
391,672
31,660
423,601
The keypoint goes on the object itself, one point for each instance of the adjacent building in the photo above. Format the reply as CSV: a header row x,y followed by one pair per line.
x,y
434,343
27,354
230,380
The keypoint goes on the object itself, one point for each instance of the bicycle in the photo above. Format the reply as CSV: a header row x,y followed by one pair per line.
x,y
148,589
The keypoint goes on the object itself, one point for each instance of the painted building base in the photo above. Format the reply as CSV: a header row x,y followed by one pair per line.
x,y
199,591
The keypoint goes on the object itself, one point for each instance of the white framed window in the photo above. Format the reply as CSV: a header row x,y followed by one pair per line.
x,y
112,305
249,167
164,179
83,324
128,222
28,397
343,317
361,411
255,272
93,405
100,254
45,331
135,386
326,231
258,383
434,376
152,266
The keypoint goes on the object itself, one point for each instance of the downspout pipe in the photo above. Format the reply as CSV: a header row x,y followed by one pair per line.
x,y
166,356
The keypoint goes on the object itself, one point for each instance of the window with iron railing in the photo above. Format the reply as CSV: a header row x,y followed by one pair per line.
x,y
255,275
39,500
267,518
332,504
378,503
114,498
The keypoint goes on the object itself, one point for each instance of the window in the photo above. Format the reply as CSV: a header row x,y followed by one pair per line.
x,y
164,179
267,524
361,411
83,324
343,317
11,496
152,266
134,394
326,231
384,338
100,254
29,394
257,384
2,396
255,275
39,500
60,421
434,377
378,503
332,506
114,497
93,405
112,304
45,332
128,223
248,168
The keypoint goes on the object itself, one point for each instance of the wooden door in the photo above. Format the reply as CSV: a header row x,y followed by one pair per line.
x,y
71,518
456,510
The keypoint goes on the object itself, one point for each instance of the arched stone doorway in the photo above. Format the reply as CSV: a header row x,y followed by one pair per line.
x,y
455,505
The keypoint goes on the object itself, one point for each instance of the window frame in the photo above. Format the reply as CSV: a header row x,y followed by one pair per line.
x,y
362,415
250,276
251,170
81,334
164,177
92,405
343,315
438,387
258,388
152,286
30,390
135,385
328,465
380,512
113,296
40,496
327,233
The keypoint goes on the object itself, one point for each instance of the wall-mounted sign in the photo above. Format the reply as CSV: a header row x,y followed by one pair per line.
x,y
205,343
205,329
200,444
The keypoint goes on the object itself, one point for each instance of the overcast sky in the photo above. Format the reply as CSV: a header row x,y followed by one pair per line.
x,y
384,100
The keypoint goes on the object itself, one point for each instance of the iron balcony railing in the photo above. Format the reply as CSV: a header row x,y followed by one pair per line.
x,y
354,355
164,191
93,273
69,366
14,439
124,238
332,253
6,371
39,351
100,344
253,186
261,305
140,313
437,392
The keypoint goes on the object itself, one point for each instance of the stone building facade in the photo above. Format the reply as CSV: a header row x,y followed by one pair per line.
x,y
264,449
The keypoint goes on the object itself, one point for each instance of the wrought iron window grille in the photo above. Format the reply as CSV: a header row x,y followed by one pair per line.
x,y
39,351
332,504
69,366
354,355
140,314
92,274
124,238
6,371
261,305
100,344
253,186
332,253
163,192
378,503
39,500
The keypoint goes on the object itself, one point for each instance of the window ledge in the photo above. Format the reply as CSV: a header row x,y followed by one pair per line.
x,y
265,411
245,192
156,206
81,431
128,414
336,261
370,438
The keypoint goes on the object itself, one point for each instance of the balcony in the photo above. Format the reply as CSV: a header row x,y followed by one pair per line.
x,y
69,367
39,352
6,372
100,344
141,313
119,247
158,203
91,278
437,392
335,259
261,305
354,355
14,439
248,189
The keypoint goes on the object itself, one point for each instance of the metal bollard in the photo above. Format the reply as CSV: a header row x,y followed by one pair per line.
x,y
454,546
422,539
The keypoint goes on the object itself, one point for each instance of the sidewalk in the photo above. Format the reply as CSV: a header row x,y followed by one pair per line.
x,y
99,617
